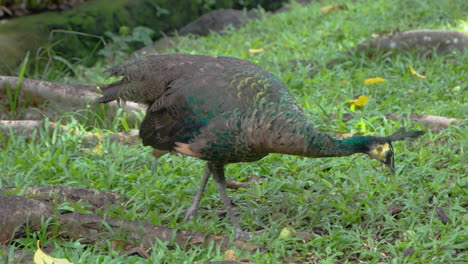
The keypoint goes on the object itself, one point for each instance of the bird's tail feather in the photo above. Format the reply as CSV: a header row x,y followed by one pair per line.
x,y
110,92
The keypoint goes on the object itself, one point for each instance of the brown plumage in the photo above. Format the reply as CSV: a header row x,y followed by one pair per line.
x,y
225,110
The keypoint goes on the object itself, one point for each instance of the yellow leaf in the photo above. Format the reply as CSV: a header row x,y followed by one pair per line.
x,y
42,258
374,80
230,255
99,136
256,51
98,148
328,9
360,102
416,74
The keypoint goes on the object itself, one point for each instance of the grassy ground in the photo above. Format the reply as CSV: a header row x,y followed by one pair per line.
x,y
342,201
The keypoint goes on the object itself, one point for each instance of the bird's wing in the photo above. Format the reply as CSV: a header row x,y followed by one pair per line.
x,y
187,104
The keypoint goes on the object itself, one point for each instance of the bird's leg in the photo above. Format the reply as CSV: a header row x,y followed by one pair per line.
x,y
192,210
220,181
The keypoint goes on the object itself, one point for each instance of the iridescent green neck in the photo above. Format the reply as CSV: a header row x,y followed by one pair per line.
x,y
352,145
323,145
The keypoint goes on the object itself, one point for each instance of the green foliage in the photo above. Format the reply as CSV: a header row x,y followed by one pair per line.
x,y
32,4
123,43
14,96
342,202
66,30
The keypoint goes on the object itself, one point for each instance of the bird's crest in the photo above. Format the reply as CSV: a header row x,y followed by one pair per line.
x,y
403,134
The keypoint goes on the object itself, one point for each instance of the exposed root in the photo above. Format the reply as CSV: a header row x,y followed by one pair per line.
x,y
423,42
64,96
18,212
26,128
431,121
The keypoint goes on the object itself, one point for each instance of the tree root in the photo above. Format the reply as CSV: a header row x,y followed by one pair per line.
x,y
66,96
101,200
430,121
21,214
17,256
91,228
26,128
423,42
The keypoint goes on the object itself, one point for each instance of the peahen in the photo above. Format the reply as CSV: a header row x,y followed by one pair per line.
x,y
225,110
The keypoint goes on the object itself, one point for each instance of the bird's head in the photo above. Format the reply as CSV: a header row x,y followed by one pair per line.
x,y
383,152
381,148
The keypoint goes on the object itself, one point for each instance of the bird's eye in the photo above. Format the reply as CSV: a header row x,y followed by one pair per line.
x,y
379,149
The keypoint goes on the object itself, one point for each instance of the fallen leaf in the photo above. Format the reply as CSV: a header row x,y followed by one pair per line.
x,y
127,248
256,51
442,215
98,148
408,252
416,73
230,255
360,102
233,184
305,236
287,233
374,80
42,258
329,8
394,209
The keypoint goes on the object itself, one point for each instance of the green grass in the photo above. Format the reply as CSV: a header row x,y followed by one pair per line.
x,y
342,201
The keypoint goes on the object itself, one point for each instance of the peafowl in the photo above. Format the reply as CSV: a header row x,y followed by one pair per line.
x,y
226,110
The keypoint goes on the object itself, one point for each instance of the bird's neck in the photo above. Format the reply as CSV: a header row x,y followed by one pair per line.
x,y
297,136
323,145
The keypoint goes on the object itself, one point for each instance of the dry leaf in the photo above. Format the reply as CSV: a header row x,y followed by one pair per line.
x,y
256,51
230,255
305,236
42,258
233,184
127,248
374,80
328,9
416,73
